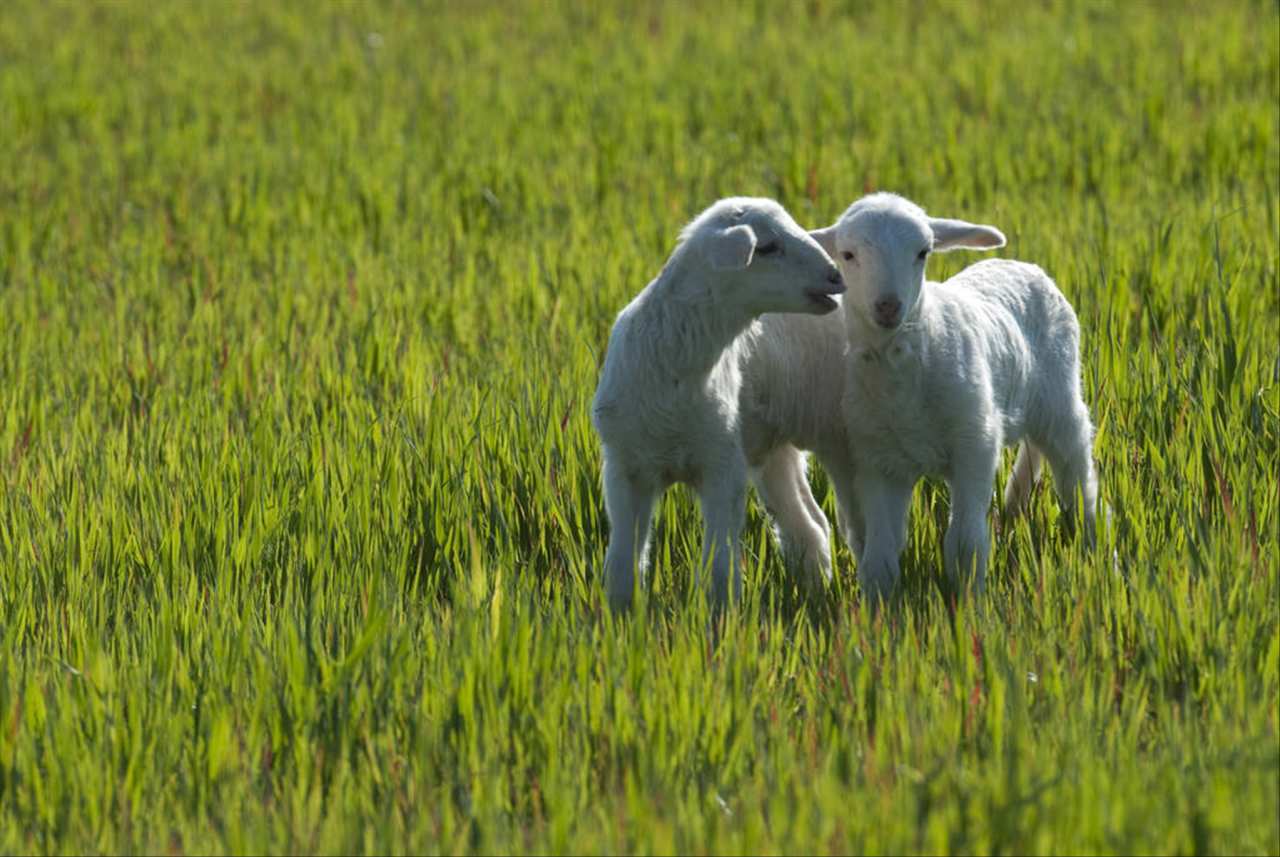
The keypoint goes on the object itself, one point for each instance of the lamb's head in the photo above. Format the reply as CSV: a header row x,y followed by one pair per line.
x,y
764,261
882,243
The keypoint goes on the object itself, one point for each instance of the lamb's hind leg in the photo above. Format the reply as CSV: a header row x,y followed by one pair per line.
x,y
1069,451
802,529
1022,480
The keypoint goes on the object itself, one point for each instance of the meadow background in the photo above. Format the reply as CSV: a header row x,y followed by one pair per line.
x,y
301,309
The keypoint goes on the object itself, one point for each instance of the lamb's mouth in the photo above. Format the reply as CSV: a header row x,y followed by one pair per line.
x,y
825,302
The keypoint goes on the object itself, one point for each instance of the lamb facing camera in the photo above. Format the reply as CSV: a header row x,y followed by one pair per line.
x,y
940,376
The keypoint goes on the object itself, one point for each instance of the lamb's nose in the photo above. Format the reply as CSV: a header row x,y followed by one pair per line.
x,y
888,307
835,279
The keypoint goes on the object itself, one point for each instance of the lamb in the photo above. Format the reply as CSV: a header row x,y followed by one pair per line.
x,y
940,376
666,408
793,383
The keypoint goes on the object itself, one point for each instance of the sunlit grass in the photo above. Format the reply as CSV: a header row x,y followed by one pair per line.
x,y
300,312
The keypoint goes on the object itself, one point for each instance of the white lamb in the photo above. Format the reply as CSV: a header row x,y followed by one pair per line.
x,y
792,387
666,408
940,376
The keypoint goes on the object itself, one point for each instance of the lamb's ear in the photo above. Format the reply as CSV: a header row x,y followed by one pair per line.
x,y
954,234
731,249
826,239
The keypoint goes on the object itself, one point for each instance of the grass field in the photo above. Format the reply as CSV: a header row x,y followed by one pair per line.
x,y
301,308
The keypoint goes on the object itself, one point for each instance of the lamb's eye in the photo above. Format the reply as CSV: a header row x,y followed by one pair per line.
x,y
847,255
767,249
923,254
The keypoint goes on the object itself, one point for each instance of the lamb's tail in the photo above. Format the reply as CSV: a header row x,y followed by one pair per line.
x,y
1022,480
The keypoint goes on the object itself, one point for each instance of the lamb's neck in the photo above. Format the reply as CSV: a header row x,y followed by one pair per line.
x,y
696,329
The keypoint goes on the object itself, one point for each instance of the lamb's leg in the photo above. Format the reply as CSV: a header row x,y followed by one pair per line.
x,y
722,493
840,472
802,528
629,501
967,545
811,507
1022,480
1069,452
884,504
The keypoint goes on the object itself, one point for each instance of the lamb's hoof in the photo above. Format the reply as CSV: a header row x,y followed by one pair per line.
x,y
817,575
876,592
620,602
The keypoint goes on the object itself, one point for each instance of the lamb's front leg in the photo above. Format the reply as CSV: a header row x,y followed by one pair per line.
x,y
883,504
967,545
629,499
841,473
722,493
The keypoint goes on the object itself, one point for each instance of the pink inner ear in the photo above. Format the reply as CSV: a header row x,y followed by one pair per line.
x,y
956,234
989,237
826,239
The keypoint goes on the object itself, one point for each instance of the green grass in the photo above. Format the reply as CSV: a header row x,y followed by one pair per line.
x,y
300,312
